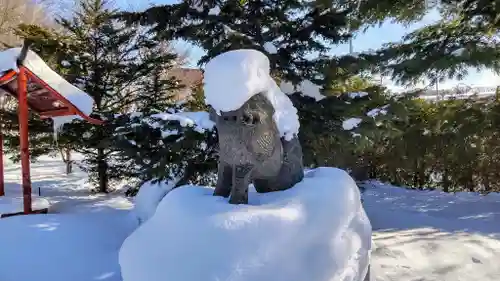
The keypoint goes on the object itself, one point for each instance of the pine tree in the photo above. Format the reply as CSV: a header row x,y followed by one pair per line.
x,y
122,69
374,12
156,88
295,35
196,101
176,145
40,132
165,148
465,37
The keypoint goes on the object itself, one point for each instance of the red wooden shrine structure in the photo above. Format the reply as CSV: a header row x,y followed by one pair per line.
x,y
32,93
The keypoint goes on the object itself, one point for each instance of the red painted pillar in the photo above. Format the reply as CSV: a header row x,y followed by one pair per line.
x,y
2,183
22,82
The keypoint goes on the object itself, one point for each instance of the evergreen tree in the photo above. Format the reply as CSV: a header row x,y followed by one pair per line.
x,y
170,146
121,68
196,101
156,89
399,138
296,35
177,145
374,12
465,37
40,132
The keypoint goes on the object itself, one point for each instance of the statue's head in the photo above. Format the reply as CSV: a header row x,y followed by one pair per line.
x,y
247,134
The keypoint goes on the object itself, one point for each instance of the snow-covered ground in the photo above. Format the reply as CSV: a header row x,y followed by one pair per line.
x,y
433,236
66,193
78,241
418,235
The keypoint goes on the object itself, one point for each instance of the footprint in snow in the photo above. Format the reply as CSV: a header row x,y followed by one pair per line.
x,y
475,260
431,247
386,252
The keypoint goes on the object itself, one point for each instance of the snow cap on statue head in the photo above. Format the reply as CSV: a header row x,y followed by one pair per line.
x,y
244,73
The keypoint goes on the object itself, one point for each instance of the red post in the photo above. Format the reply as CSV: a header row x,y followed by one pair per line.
x,y
2,184
22,82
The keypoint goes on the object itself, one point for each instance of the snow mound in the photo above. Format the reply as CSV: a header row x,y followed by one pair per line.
x,y
149,196
35,64
270,48
354,95
306,88
312,90
377,111
199,121
214,11
351,123
316,231
232,78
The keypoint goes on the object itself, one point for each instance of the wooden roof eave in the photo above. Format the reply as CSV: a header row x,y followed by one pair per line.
x,y
7,77
73,110
55,112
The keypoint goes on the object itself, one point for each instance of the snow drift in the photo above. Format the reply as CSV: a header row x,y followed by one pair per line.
x,y
315,231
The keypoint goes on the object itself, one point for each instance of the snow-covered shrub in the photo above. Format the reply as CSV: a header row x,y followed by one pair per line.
x,y
450,144
340,130
129,74
169,145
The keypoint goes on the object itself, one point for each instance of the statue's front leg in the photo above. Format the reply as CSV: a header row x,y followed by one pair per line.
x,y
241,180
224,180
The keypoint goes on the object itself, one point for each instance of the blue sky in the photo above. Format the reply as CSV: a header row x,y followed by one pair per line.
x,y
373,38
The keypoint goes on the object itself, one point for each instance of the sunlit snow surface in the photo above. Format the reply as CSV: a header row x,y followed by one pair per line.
x,y
316,230
418,235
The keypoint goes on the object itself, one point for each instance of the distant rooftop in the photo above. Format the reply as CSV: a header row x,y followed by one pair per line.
x,y
461,92
189,77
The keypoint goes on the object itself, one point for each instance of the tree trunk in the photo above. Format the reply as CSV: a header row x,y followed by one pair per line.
x,y
188,172
421,178
446,182
470,186
486,180
102,169
69,162
372,169
468,182
415,179
66,157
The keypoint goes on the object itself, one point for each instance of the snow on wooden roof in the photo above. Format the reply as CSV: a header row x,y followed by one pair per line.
x,y
49,94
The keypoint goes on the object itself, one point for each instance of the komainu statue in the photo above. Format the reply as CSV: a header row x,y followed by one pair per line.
x,y
252,151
